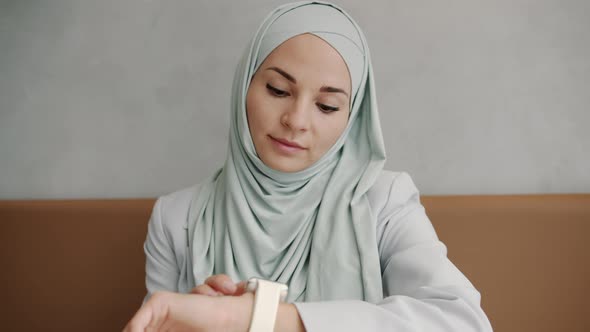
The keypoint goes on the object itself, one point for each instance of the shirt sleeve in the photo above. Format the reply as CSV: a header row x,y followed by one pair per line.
x,y
423,290
161,269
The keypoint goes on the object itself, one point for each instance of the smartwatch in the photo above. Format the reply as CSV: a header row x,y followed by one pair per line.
x,y
267,296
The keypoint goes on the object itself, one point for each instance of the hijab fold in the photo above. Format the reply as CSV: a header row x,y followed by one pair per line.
x,y
313,230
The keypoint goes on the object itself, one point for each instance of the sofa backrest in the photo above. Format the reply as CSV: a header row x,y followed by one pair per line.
x,y
78,265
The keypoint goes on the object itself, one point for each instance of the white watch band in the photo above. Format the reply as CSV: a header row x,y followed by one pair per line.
x,y
267,295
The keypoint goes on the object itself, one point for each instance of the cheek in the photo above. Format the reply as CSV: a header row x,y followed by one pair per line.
x,y
263,111
253,111
249,112
332,128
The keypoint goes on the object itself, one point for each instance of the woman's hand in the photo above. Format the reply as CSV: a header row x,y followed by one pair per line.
x,y
220,284
207,309
167,311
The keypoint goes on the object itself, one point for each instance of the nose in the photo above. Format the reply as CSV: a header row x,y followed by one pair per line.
x,y
297,117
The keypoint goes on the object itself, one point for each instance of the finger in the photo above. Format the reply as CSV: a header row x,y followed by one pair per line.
x,y
158,304
241,288
205,289
140,320
222,283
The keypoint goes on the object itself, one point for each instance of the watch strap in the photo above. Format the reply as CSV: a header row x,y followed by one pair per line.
x,y
267,296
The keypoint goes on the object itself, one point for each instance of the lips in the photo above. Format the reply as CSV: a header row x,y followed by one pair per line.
x,y
287,143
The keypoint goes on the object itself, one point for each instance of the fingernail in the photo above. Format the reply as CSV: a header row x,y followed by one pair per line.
x,y
229,286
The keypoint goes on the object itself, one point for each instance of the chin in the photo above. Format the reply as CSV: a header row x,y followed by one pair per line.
x,y
287,169
285,166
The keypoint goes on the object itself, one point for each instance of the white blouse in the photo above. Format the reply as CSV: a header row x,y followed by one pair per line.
x,y
423,290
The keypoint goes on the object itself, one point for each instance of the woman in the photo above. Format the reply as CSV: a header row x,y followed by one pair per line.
x,y
303,200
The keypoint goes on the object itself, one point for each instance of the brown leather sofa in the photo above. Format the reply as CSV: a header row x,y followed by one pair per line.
x,y
78,265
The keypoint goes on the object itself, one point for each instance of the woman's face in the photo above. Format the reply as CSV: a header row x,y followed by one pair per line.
x,y
298,103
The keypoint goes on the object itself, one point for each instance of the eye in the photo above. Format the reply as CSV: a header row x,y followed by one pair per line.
x,y
326,108
276,92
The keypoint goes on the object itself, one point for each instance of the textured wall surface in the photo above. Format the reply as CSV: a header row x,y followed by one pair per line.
x,y
130,98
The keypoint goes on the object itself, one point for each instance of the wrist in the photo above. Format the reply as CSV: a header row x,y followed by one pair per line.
x,y
288,318
238,311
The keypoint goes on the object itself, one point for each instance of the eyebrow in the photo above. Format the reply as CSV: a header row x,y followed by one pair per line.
x,y
284,73
333,89
293,80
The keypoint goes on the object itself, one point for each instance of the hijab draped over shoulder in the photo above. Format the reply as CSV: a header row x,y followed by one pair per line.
x,y
312,229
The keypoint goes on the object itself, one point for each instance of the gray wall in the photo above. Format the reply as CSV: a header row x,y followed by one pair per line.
x,y
130,98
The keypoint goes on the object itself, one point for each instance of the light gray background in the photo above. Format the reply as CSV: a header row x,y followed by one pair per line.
x,y
130,98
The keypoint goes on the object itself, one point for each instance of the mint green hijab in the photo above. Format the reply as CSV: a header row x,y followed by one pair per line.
x,y
313,230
